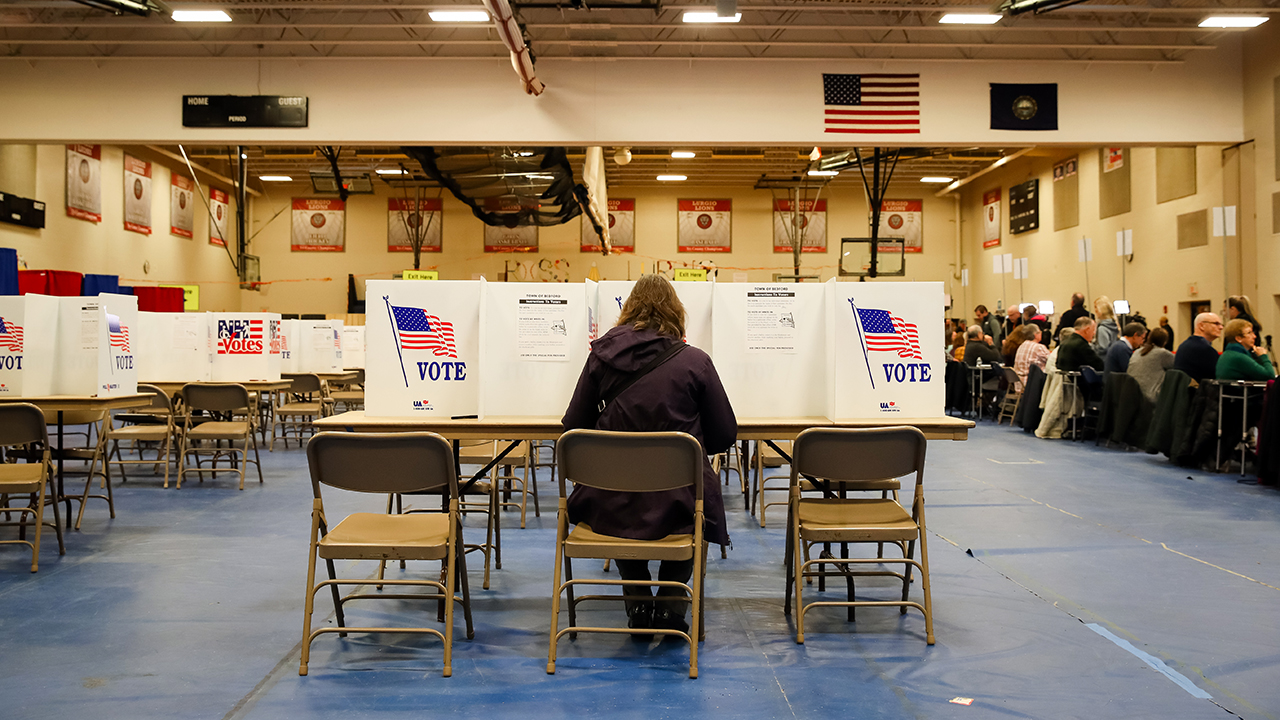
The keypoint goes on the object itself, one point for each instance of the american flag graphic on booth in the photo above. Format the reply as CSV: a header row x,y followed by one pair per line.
x,y
418,329
872,103
10,336
119,333
886,332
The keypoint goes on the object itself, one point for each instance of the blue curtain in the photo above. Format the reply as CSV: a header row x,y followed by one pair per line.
x,y
94,284
8,271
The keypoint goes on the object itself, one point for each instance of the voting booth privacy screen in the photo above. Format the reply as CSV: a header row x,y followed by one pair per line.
x,y
95,346
838,350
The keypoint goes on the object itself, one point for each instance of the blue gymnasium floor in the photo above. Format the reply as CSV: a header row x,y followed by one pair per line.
x,y
189,605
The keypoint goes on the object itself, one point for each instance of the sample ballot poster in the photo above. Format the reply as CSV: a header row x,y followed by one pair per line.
x,y
542,327
84,182
904,219
622,227
991,218
704,225
771,320
810,224
181,206
137,195
404,222
219,209
318,225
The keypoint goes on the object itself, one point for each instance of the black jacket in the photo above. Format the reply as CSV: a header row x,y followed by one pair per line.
x,y
1070,317
1075,352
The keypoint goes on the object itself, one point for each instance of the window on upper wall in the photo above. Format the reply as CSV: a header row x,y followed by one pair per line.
x,y
1175,173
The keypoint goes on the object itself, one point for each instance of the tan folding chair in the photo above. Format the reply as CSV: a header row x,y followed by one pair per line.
x,y
350,397
638,463
224,402
23,426
1012,397
855,460
391,463
511,470
151,424
92,454
767,457
306,400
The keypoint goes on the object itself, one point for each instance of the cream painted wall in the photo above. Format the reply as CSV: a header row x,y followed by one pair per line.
x,y
1262,53
1159,274
480,101
298,282
106,247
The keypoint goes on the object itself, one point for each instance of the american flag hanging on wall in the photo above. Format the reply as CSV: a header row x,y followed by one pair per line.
x,y
871,103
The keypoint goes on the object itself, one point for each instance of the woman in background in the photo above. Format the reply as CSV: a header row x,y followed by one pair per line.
x,y
1242,358
1148,364
1238,308
1108,332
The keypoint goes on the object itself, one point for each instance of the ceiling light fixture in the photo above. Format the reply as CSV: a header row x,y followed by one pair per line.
x,y
1233,21
935,179
458,16
200,16
969,19
389,171
710,17
275,178
824,173
672,178
683,154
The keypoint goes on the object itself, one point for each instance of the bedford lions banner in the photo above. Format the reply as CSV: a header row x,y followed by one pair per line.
x,y
704,225
810,224
137,195
991,218
904,219
422,348
887,357
84,182
181,206
622,227
404,221
219,209
319,225
522,238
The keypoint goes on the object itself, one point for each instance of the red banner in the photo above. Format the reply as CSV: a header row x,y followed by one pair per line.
x,y
137,195
319,225
219,209
810,223
991,218
522,238
402,221
622,227
704,225
84,182
181,206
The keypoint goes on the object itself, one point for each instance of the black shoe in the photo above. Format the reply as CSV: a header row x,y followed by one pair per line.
x,y
641,618
665,619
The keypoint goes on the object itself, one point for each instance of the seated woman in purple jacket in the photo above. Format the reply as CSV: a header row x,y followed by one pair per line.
x,y
684,393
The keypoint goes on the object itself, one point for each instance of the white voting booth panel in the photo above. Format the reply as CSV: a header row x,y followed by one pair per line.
x,y
770,348
319,346
275,345
422,347
353,347
534,343
696,297
289,358
174,347
886,355
95,346
27,324
242,347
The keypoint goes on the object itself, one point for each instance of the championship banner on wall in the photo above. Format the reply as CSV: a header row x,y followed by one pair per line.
x,y
622,228
1115,159
181,206
402,220
319,225
84,182
522,238
219,208
704,225
812,221
904,219
991,218
137,195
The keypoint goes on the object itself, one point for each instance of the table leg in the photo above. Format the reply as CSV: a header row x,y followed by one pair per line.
x,y
62,495
1244,428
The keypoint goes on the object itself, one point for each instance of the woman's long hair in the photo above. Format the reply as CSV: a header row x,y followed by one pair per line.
x,y
653,304
1241,304
1104,308
1155,339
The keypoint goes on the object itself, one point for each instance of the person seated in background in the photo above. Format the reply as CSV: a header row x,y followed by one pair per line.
x,y
1012,319
977,348
1031,315
1196,356
1242,357
1148,364
957,345
1069,318
989,323
1117,359
1108,331
1009,348
1031,352
1077,351
1238,308
1168,331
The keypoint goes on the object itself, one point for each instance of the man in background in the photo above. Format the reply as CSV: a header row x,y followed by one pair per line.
x,y
1013,319
989,324
1076,312
1132,337
1196,356
1075,351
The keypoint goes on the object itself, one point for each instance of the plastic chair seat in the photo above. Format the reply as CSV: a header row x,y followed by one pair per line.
x,y
219,430
21,477
583,542
855,520
375,536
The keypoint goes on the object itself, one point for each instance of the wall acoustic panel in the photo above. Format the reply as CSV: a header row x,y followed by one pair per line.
x,y
1113,181
1275,213
1175,173
1193,229
1066,194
